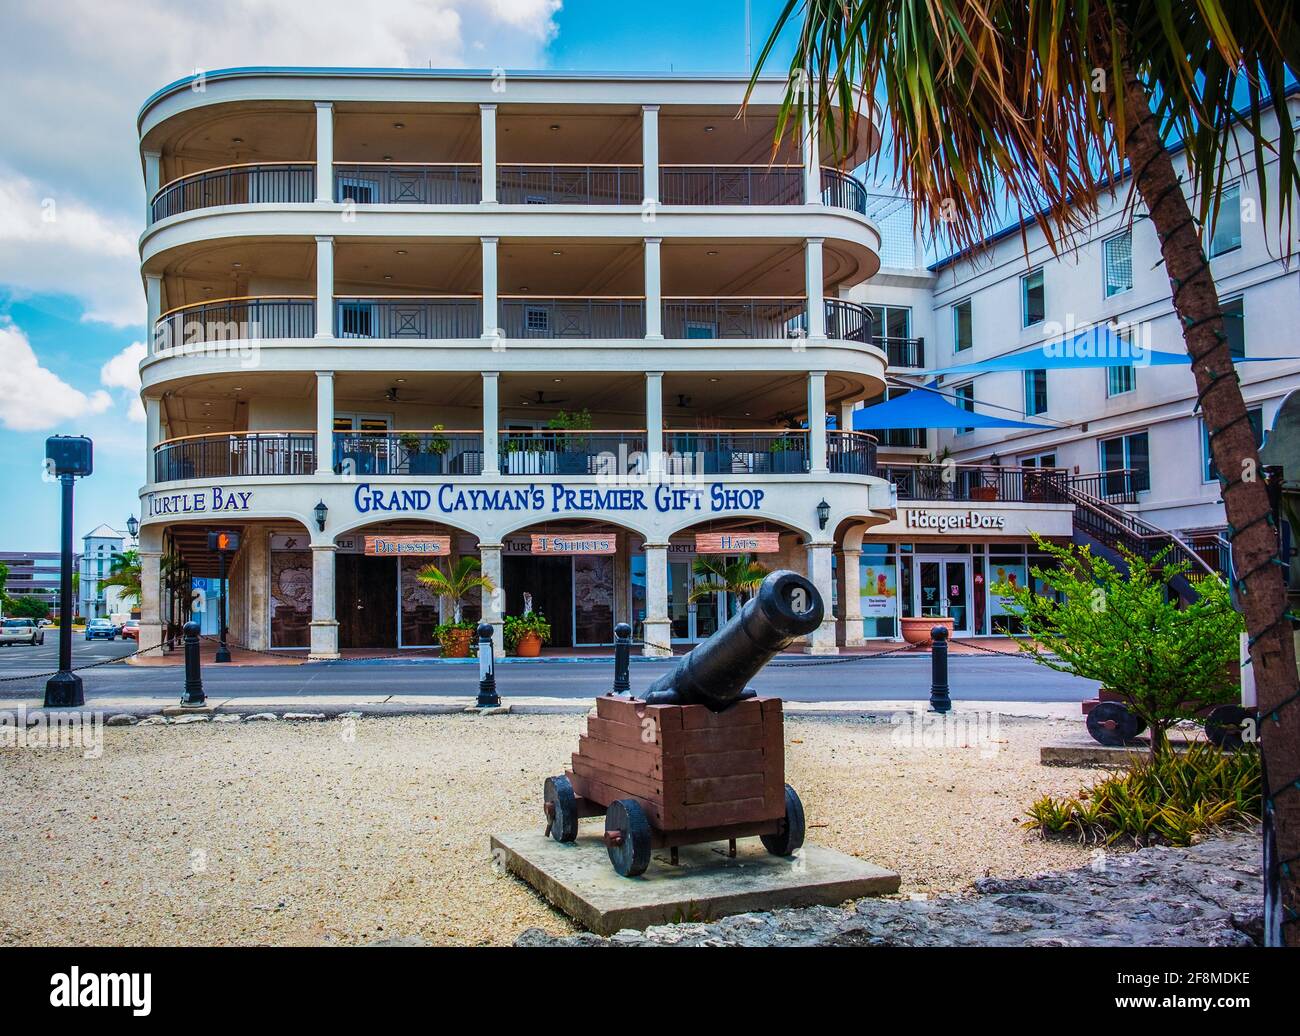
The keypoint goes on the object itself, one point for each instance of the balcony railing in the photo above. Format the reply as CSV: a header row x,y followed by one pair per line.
x,y
434,452
851,453
408,183
764,318
408,316
581,452
776,451
239,319
731,184
903,352
228,454
273,182
848,321
615,316
1120,486
842,191
976,482
564,184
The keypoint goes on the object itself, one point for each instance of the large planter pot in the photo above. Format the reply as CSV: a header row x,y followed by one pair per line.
x,y
458,643
917,630
425,463
528,646
984,493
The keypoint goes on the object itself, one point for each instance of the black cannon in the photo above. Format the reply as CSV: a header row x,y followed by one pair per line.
x,y
715,673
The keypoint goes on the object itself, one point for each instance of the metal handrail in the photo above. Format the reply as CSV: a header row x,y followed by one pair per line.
x,y
708,317
731,185
245,184
408,183
557,316
408,316
408,451
231,454
560,183
249,318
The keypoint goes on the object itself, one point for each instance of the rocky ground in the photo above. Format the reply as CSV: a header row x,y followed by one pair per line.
x,y
350,832
1208,895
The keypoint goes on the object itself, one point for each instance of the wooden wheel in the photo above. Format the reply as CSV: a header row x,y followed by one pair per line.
x,y
627,837
1112,723
561,807
789,838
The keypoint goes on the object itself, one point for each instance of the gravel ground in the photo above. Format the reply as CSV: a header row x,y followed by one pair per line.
x,y
354,832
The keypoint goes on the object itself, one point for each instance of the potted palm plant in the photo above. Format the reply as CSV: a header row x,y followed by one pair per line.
x,y
571,454
426,458
457,636
525,634
715,574
785,455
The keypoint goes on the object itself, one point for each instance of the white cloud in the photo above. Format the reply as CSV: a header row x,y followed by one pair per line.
x,y
33,398
123,372
60,245
536,17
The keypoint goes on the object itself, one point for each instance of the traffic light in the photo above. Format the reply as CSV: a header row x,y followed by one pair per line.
x,y
223,542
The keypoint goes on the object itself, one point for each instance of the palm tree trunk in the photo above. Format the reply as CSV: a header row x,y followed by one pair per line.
x,y
1245,497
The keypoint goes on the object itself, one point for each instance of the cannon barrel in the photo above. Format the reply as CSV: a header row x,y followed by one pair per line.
x,y
715,673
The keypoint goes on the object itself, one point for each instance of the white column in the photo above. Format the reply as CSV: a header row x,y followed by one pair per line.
x,y
324,625
657,630
256,572
845,423
654,299
654,420
151,628
152,434
324,287
489,555
325,422
813,273
822,641
491,310
491,423
851,596
650,152
812,166
324,151
152,181
153,309
817,422
487,119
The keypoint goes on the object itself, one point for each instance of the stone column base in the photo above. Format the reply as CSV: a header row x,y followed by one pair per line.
x,y
658,637
823,639
853,636
324,640
151,636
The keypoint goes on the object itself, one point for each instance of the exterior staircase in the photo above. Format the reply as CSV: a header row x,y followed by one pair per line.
x,y
1101,524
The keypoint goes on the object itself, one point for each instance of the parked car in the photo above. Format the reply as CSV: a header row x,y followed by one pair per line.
x,y
131,630
101,629
44,623
21,631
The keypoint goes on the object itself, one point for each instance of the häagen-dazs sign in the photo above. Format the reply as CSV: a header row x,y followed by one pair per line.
x,y
950,521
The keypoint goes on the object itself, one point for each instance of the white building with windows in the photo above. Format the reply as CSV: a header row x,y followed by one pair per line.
x,y
581,328
100,549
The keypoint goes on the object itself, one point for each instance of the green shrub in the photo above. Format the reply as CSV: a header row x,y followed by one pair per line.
x,y
1168,799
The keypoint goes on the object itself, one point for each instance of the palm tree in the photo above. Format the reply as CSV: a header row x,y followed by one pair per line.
x,y
125,573
462,580
1049,106
720,576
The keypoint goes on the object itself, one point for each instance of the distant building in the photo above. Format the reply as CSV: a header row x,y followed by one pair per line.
x,y
101,547
33,574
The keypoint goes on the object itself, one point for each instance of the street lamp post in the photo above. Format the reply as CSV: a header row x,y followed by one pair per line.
x,y
66,457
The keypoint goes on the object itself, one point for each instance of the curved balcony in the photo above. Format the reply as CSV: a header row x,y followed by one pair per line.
x,y
848,321
230,454
248,319
842,191
530,183
262,182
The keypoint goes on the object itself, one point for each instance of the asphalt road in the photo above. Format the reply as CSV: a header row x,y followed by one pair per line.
x,y
843,678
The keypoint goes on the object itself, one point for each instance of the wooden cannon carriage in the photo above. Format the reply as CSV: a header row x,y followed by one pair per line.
x,y
699,758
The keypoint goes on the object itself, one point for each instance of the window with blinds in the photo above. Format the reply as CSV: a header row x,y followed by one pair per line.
x,y
1117,258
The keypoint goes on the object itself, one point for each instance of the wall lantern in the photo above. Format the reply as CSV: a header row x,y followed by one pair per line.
x,y
321,512
132,526
823,514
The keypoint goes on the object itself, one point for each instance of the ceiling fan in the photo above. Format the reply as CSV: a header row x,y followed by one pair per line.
x,y
684,401
540,400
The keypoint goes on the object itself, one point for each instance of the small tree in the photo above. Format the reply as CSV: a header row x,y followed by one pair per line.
x,y
457,584
720,576
1127,631
125,573
29,607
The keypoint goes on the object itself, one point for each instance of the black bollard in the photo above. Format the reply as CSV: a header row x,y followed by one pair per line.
x,y
487,680
622,658
939,700
193,668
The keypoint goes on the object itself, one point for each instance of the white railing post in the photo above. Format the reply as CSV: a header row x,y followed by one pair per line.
x,y
324,151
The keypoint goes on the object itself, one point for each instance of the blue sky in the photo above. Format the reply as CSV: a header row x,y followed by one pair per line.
x,y
72,198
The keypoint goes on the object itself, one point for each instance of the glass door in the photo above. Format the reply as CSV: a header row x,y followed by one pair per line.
x,y
679,608
943,588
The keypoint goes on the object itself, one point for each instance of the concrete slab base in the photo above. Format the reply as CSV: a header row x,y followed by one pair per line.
x,y
704,885
1084,751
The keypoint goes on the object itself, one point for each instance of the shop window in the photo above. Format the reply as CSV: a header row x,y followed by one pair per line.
x,y
879,590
